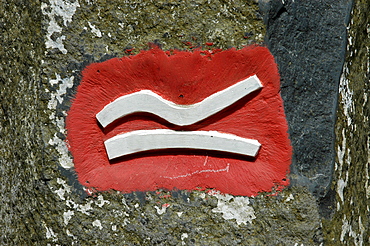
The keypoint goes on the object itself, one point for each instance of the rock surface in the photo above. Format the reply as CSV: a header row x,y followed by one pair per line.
x,y
308,41
45,45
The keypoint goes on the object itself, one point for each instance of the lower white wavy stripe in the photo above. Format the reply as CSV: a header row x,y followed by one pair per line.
x,y
144,140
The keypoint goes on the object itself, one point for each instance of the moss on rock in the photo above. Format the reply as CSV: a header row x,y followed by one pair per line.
x,y
45,46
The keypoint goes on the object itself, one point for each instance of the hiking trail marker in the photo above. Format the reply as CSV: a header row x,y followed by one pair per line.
x,y
181,120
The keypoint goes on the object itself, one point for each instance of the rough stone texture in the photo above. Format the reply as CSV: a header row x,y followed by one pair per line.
x,y
308,40
42,202
350,223
21,115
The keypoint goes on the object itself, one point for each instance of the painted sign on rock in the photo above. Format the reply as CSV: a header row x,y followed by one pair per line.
x,y
181,120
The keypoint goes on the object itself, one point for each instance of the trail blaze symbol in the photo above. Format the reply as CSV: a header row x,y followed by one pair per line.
x,y
149,102
184,120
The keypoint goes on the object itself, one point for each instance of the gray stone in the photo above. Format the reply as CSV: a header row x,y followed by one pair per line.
x,y
308,41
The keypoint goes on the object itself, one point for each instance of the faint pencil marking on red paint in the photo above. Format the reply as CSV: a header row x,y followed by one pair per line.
x,y
205,161
226,169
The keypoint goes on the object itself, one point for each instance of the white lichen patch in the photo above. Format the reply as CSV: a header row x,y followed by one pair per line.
x,y
163,209
56,98
340,187
124,203
67,216
183,237
289,198
69,234
126,222
160,210
97,223
64,189
61,91
56,10
64,9
84,208
101,201
343,152
234,208
347,229
95,30
73,208
64,159
50,234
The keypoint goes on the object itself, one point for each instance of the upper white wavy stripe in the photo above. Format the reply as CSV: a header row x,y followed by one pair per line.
x,y
149,102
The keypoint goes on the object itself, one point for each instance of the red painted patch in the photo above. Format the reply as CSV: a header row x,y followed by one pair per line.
x,y
185,78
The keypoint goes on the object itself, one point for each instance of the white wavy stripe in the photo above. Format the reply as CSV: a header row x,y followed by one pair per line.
x,y
182,115
144,140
